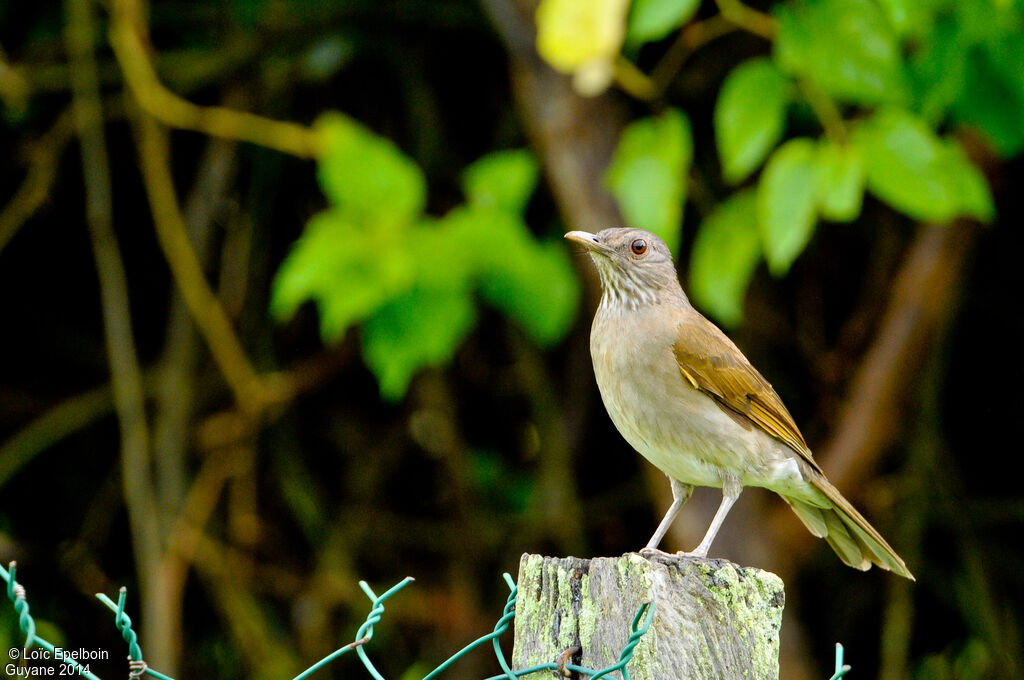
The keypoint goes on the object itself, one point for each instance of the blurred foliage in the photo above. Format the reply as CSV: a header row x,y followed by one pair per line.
x,y
374,258
647,175
409,253
884,77
725,254
651,20
785,203
845,47
974,660
914,171
750,116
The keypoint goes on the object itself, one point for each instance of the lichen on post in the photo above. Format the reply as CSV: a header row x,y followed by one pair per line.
x,y
712,618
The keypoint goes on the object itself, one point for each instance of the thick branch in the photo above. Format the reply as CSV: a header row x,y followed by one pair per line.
x,y
922,299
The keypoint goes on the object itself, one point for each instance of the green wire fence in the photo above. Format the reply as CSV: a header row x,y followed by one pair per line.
x,y
16,594
137,667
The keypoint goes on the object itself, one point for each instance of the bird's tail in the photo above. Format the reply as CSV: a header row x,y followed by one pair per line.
x,y
856,542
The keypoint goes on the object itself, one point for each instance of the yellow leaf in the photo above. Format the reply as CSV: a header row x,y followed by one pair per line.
x,y
583,38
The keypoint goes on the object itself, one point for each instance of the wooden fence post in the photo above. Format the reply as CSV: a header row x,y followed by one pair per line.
x,y
712,619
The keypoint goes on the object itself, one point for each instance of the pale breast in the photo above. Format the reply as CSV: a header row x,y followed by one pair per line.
x,y
679,429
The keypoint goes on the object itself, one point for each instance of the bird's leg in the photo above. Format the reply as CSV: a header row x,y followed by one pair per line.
x,y
680,494
731,488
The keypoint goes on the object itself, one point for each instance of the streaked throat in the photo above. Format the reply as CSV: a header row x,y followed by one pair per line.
x,y
623,290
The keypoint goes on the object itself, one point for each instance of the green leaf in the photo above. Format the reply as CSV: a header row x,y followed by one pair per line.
x,y
647,175
937,71
984,20
348,271
503,179
847,47
373,258
651,20
443,256
725,255
366,176
916,172
532,283
420,328
750,116
785,203
537,288
910,17
840,181
992,99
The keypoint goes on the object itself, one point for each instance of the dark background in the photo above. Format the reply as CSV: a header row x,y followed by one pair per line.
x,y
894,344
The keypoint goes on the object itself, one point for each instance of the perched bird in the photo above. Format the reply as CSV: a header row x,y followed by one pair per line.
x,y
684,396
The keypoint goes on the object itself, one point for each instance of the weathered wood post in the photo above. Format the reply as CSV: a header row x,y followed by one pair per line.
x,y
712,619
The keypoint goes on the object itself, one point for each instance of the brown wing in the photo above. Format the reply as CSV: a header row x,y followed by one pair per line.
x,y
711,363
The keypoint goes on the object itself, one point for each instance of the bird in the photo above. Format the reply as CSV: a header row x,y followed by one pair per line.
x,y
686,398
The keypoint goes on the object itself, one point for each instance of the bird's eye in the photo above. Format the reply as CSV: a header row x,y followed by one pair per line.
x,y
639,246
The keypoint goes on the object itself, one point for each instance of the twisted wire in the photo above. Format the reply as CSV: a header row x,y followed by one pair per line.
x,y
366,630
136,667
499,628
631,643
16,594
507,614
124,624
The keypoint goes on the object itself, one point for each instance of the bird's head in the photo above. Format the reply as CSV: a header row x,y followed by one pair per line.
x,y
635,267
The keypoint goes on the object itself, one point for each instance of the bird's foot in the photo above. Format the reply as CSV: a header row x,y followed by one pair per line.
x,y
700,552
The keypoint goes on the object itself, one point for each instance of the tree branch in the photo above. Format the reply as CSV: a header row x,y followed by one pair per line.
x,y
68,416
825,109
170,109
42,171
248,389
921,300
126,375
747,18
694,36
175,389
